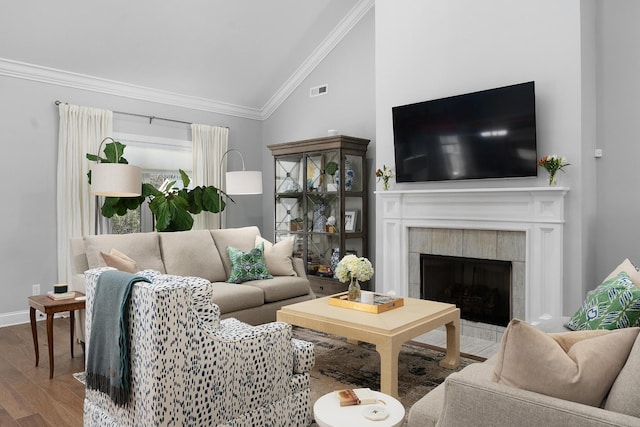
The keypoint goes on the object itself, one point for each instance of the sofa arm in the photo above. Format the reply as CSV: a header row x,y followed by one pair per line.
x,y
299,267
303,356
472,402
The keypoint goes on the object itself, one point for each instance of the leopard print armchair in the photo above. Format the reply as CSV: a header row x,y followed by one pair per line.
x,y
189,368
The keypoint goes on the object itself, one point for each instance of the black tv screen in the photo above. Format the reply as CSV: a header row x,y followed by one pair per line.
x,y
486,134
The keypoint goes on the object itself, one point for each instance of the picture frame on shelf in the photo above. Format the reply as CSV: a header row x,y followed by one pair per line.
x,y
350,219
314,170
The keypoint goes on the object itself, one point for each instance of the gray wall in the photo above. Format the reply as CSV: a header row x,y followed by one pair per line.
x,y
427,49
617,230
349,107
29,135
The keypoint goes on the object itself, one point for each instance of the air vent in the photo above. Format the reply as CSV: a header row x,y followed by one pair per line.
x,y
319,90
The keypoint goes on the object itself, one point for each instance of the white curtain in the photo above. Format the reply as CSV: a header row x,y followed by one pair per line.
x,y
81,130
209,145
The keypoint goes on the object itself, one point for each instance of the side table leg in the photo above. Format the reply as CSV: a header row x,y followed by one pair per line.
x,y
73,322
50,341
34,332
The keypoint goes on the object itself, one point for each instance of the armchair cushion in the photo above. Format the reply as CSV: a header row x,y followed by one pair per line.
x,y
623,396
615,304
576,366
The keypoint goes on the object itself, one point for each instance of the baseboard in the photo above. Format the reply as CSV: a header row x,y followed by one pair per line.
x,y
20,317
14,318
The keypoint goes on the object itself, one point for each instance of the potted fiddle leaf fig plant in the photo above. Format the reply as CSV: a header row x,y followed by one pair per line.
x,y
172,207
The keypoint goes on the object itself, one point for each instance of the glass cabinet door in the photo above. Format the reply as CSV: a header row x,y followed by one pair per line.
x,y
320,198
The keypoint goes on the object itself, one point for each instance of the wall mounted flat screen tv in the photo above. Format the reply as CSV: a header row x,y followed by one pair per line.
x,y
486,134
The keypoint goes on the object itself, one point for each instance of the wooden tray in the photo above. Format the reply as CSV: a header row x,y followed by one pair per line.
x,y
381,303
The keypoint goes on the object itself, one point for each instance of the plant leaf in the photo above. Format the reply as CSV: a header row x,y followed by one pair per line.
x,y
212,200
185,178
114,151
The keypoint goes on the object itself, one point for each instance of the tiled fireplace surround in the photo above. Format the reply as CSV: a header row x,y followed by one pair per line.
x,y
521,225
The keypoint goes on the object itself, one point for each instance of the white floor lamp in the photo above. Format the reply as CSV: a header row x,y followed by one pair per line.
x,y
114,180
239,182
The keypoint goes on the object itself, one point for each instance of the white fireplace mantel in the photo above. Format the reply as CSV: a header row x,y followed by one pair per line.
x,y
538,211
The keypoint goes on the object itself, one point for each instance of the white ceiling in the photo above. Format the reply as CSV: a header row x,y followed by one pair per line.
x,y
238,52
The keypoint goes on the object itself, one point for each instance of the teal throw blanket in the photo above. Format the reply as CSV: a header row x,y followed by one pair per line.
x,y
108,363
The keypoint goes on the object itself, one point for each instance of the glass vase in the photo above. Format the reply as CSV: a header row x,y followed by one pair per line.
x,y
385,185
354,290
552,178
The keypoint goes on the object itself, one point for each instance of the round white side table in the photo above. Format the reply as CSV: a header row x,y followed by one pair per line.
x,y
328,412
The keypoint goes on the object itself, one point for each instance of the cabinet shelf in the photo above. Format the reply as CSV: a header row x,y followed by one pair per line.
x,y
304,190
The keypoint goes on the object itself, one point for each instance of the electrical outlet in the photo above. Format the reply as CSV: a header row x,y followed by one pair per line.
x,y
35,289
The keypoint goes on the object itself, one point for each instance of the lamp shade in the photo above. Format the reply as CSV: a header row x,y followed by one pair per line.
x,y
244,182
116,180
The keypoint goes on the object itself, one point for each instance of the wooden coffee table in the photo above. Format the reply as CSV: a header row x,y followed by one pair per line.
x,y
387,330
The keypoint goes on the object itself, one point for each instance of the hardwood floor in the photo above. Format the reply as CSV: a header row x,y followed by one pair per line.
x,y
27,396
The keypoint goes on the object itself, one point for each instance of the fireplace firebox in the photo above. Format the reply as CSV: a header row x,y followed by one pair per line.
x,y
480,288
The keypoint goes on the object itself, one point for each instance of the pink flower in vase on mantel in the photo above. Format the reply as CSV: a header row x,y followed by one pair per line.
x,y
553,164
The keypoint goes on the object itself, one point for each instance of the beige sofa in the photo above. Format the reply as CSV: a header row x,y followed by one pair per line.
x,y
473,397
200,253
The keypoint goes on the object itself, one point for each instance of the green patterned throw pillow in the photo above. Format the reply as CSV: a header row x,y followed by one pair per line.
x,y
247,266
615,304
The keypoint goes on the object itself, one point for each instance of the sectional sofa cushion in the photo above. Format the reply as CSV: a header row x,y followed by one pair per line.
x,y
231,297
243,238
578,366
143,248
278,256
281,287
192,253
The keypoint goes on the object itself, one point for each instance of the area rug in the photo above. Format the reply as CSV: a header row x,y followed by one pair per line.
x,y
340,364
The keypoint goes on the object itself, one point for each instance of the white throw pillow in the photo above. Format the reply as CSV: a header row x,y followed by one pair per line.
x,y
278,256
628,267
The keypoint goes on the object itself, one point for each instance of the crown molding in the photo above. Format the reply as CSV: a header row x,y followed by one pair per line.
x,y
58,77
53,76
337,34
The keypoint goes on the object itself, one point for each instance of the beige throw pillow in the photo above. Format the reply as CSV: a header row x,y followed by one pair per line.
x,y
278,256
120,261
577,366
628,267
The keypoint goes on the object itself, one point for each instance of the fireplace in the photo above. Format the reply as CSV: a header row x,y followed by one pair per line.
x,y
480,288
526,225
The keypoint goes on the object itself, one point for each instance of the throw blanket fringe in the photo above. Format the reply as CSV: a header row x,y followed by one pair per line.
x,y
108,363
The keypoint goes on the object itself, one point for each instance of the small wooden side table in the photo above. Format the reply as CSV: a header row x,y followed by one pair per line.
x,y
50,307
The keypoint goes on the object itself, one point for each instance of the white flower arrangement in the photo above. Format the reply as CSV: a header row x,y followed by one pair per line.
x,y
352,266
385,174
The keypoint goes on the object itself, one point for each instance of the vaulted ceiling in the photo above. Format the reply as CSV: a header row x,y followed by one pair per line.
x,y
240,52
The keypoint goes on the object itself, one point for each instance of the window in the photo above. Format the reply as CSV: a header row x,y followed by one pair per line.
x,y
160,160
